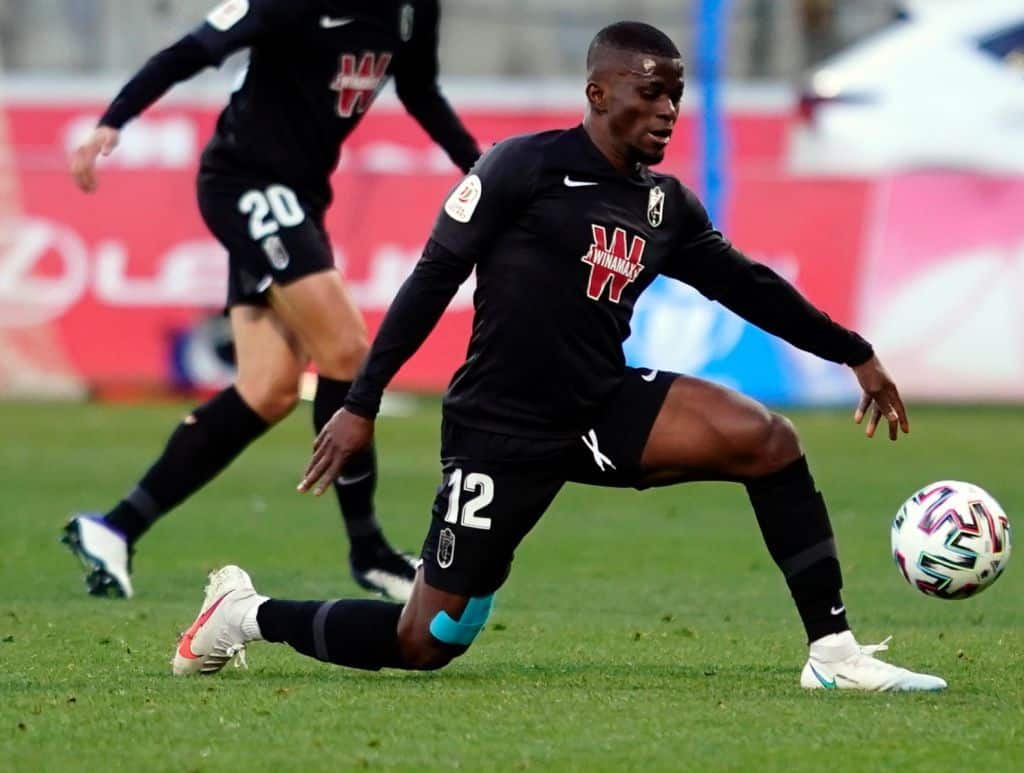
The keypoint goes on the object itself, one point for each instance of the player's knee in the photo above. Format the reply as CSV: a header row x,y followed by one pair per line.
x,y
421,651
427,646
778,446
271,398
344,356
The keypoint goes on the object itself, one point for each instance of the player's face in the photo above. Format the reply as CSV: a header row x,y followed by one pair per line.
x,y
643,105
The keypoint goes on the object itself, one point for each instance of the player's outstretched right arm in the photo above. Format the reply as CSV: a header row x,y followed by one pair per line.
x,y
476,213
229,27
176,63
415,311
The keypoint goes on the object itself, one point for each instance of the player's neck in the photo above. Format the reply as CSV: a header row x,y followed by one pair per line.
x,y
602,140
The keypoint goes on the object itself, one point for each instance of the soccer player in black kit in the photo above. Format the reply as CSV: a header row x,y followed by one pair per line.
x,y
565,229
315,67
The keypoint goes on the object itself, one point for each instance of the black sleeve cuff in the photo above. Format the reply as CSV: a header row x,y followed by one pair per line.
x,y
361,406
860,351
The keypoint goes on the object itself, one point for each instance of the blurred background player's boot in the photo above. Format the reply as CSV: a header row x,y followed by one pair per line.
x,y
381,568
103,552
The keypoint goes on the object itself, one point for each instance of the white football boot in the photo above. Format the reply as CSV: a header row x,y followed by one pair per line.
x,y
104,553
226,622
838,662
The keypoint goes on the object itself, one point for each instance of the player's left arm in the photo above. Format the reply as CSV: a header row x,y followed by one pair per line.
x,y
710,263
416,70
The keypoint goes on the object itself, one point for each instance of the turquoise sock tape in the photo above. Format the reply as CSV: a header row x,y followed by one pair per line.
x,y
461,632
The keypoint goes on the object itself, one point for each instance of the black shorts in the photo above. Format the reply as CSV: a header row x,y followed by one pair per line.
x,y
272,233
496,487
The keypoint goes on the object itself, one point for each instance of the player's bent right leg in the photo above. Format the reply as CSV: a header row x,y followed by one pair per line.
x,y
495,489
427,634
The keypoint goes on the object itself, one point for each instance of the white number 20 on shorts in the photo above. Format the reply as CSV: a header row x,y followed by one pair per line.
x,y
270,210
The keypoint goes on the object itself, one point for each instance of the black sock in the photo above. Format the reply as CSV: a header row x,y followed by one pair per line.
x,y
355,633
198,449
356,486
794,522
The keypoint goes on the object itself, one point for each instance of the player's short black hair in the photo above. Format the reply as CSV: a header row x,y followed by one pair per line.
x,y
634,36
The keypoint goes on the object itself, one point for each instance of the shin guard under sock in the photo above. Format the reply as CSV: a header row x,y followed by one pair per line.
x,y
355,633
795,525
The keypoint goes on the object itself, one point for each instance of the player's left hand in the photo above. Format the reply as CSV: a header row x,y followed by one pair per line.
x,y
342,436
880,398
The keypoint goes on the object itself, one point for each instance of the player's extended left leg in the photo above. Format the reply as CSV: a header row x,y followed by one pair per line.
x,y
707,432
323,314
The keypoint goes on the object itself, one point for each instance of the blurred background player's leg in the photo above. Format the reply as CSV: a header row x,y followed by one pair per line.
x,y
270,364
322,312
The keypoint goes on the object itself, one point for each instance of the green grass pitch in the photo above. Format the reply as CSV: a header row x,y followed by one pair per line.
x,y
638,631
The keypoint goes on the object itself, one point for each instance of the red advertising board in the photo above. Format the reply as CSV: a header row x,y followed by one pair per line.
x,y
115,278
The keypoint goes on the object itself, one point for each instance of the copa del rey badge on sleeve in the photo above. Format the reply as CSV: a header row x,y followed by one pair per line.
x,y
463,201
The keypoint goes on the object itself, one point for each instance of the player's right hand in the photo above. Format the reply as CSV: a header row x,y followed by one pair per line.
x,y
344,435
83,159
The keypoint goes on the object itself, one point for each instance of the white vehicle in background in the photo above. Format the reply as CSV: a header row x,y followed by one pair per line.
x,y
941,87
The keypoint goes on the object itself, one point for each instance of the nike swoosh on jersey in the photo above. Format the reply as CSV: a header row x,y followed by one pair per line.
x,y
650,376
570,183
185,647
329,23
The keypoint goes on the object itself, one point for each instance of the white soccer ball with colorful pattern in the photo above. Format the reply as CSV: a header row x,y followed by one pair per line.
x,y
951,540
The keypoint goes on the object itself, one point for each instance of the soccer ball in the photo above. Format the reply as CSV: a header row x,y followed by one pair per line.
x,y
951,539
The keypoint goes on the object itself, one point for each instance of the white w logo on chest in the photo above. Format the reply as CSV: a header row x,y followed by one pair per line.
x,y
357,85
611,264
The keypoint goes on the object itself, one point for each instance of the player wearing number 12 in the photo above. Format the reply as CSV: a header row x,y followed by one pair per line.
x,y
565,229
314,69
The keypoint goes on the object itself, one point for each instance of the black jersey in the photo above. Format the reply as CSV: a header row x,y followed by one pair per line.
x,y
315,67
563,245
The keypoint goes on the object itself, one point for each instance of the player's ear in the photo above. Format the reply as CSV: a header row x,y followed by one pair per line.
x,y
597,96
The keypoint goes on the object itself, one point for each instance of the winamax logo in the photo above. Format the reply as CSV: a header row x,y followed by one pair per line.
x,y
612,265
358,85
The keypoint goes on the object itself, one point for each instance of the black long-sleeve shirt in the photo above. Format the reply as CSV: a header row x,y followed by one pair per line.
x,y
563,244
315,67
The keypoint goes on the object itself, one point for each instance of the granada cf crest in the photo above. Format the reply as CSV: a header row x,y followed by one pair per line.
x,y
357,84
655,206
445,548
612,265
405,18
